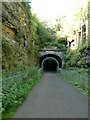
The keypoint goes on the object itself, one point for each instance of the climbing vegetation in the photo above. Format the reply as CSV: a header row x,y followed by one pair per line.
x,y
23,36
75,58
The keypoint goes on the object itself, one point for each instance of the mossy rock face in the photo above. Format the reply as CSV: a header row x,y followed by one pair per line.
x,y
13,56
16,39
8,32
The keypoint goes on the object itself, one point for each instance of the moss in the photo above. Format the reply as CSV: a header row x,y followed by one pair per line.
x,y
16,30
8,32
13,55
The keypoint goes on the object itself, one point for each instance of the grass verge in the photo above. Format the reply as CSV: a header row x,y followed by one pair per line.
x,y
16,88
78,77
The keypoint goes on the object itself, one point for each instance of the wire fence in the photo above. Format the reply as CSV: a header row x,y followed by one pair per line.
x,y
76,78
14,88
20,76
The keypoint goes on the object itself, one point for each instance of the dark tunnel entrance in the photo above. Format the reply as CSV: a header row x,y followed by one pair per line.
x,y
50,65
50,62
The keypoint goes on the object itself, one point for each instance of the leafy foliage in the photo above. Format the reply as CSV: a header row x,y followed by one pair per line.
x,y
7,46
75,57
77,77
16,88
42,35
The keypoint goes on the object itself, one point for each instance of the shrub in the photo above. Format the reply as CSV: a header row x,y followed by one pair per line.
x,y
16,88
77,77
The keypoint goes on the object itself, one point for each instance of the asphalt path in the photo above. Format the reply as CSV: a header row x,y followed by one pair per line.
x,y
53,97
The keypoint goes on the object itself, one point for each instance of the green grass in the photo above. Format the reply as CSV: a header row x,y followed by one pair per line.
x,y
15,89
77,77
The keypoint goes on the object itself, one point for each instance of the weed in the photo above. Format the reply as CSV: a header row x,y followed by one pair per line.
x,y
77,77
16,88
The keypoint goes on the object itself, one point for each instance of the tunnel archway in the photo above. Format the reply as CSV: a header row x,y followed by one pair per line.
x,y
50,64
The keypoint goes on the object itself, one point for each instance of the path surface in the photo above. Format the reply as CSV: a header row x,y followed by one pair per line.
x,y
53,97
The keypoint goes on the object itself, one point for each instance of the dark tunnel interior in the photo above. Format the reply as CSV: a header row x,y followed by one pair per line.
x,y
50,65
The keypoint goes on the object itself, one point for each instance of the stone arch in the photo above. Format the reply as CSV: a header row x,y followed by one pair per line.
x,y
50,64
55,59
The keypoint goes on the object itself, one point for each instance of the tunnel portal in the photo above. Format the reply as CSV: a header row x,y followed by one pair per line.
x,y
50,62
